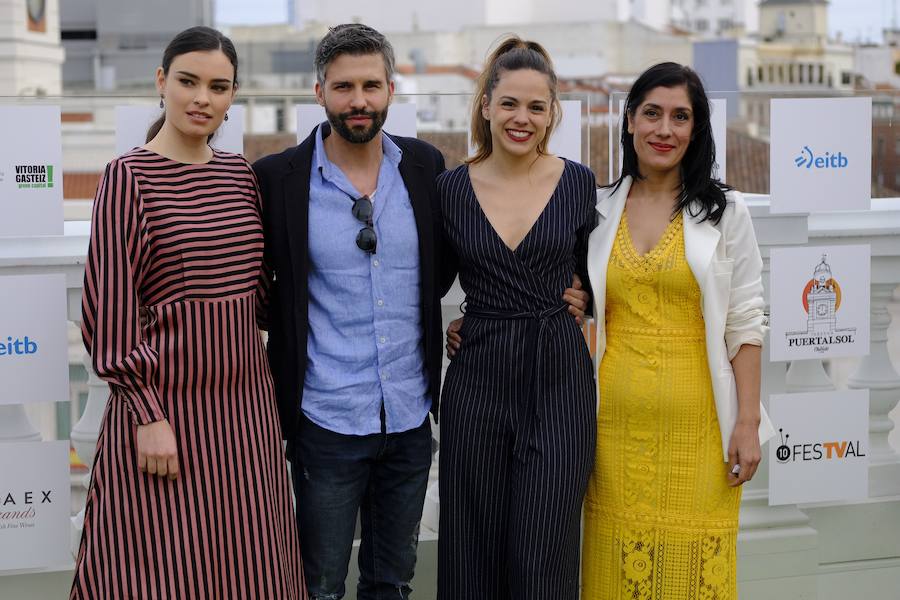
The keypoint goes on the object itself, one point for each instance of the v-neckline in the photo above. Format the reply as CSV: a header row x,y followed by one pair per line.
x,y
533,224
660,245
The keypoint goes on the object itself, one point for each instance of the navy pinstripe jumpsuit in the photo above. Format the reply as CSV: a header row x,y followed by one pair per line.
x,y
518,412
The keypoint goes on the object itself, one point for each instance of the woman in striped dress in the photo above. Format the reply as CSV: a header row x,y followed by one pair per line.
x,y
189,494
518,405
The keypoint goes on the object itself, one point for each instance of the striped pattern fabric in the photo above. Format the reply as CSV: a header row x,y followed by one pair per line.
x,y
173,283
509,522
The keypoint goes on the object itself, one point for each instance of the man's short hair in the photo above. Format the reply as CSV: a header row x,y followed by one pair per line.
x,y
355,39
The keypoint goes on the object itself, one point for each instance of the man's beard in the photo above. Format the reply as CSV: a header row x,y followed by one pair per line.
x,y
357,136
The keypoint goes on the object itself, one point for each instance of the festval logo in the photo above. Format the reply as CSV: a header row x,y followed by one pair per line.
x,y
34,176
821,300
808,159
815,451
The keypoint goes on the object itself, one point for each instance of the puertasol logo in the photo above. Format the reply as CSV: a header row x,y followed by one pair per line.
x,y
821,298
34,176
807,159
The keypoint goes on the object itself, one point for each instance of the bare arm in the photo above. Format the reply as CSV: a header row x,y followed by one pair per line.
x,y
743,448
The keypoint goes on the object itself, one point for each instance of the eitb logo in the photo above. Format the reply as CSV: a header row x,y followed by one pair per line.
x,y
34,176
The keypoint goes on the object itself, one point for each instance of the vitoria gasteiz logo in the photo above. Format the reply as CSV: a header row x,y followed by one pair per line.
x,y
830,160
34,176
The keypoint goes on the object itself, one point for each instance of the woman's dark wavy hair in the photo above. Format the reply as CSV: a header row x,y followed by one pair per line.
x,y
701,190
194,39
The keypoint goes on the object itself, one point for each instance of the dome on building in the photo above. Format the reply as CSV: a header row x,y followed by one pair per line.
x,y
822,272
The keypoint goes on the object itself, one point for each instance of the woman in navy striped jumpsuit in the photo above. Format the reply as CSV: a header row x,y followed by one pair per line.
x,y
518,404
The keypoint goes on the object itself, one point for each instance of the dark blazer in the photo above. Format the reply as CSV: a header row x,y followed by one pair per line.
x,y
284,185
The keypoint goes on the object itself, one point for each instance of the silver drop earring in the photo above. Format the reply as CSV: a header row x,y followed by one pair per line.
x,y
226,116
161,104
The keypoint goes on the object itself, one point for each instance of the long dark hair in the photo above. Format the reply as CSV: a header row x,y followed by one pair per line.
x,y
512,54
195,39
701,189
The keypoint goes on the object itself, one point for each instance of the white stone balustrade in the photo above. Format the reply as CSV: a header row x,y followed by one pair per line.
x,y
880,228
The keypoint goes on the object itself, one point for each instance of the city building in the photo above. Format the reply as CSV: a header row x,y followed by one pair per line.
x,y
113,44
716,18
413,15
31,56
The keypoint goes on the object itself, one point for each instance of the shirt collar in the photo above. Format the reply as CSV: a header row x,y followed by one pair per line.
x,y
391,150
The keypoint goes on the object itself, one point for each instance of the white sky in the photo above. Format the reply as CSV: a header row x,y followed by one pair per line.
x,y
855,19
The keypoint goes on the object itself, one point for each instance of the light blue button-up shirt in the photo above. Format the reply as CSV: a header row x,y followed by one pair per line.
x,y
365,344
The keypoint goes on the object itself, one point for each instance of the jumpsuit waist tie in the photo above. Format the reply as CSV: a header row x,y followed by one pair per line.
x,y
535,330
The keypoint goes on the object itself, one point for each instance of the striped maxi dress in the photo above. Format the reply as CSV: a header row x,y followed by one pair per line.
x,y
173,287
518,407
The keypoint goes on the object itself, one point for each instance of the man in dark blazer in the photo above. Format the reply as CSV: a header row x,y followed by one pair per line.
x,y
354,238
355,243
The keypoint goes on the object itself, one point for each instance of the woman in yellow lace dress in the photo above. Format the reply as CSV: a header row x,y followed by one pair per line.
x,y
675,272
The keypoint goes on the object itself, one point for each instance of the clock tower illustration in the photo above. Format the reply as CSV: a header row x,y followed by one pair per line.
x,y
821,300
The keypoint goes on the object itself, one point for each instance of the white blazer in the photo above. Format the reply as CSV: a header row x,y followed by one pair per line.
x,y
725,261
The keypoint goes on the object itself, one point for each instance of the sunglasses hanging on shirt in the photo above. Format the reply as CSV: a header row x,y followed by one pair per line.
x,y
366,240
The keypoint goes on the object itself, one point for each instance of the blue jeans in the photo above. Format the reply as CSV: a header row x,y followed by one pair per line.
x,y
381,476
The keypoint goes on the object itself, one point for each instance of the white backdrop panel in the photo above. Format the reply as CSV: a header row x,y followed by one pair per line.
x,y
34,362
821,451
819,302
34,505
31,179
820,154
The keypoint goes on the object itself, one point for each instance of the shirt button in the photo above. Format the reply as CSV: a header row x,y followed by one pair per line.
x,y
375,262
380,302
382,339
385,376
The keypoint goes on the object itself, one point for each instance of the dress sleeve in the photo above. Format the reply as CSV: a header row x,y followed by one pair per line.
x,y
745,322
111,320
264,287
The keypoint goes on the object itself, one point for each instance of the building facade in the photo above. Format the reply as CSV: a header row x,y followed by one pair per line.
x,y
114,44
31,56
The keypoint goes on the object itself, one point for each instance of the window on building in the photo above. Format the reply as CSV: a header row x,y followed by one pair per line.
x,y
897,145
725,24
701,25
897,181
846,78
879,153
79,34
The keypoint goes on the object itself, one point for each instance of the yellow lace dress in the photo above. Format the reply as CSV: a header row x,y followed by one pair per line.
x,y
660,520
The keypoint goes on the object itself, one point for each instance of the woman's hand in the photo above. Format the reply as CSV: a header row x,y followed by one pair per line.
x,y
454,340
577,299
743,450
156,449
